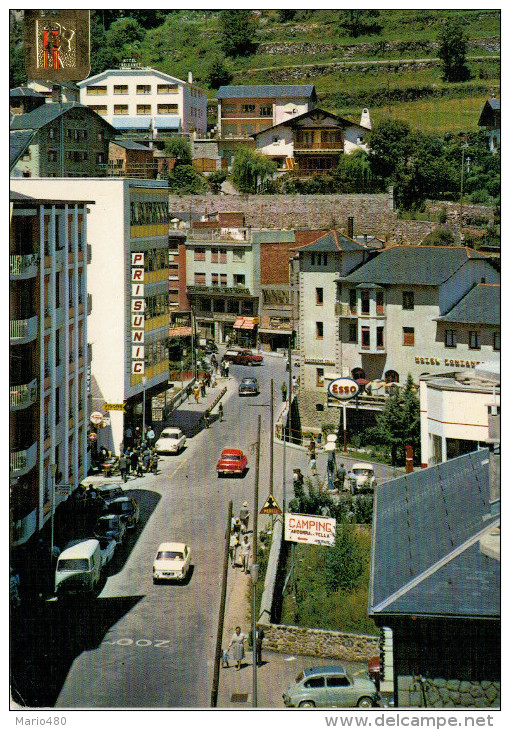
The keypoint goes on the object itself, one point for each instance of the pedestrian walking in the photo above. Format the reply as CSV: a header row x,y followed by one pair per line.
x,y
123,466
244,517
232,546
259,638
331,470
189,391
225,659
294,384
128,436
151,436
236,524
202,388
227,369
313,465
245,553
220,411
207,419
196,393
340,476
237,645
134,461
284,392
311,448
146,459
214,361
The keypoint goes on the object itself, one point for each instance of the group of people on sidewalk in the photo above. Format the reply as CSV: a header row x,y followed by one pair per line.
x,y
335,474
138,461
239,539
237,647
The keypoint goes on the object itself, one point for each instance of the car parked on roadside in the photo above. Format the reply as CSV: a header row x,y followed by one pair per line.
x,y
243,357
249,386
232,461
111,527
172,562
171,441
106,492
330,686
361,477
127,509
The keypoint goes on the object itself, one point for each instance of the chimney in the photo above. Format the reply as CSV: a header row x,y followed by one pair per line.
x,y
190,77
365,119
350,227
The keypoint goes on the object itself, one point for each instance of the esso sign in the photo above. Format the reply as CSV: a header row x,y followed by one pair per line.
x,y
343,388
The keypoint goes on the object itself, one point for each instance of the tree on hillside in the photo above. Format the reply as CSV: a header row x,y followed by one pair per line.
x,y
390,143
452,50
184,180
216,179
439,237
398,424
237,28
250,169
124,37
180,149
360,22
218,73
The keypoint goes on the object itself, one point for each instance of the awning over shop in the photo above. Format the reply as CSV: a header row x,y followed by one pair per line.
x,y
121,122
179,331
268,331
171,121
246,323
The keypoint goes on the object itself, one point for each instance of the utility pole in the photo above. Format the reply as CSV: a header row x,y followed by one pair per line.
x,y
271,443
254,567
221,617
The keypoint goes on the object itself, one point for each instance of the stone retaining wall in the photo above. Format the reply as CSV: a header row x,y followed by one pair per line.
x,y
320,643
448,693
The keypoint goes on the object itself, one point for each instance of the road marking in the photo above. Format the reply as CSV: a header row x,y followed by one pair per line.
x,y
156,643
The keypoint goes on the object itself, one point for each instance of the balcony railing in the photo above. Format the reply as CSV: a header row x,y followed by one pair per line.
x,y
21,462
23,264
23,330
22,396
344,310
319,146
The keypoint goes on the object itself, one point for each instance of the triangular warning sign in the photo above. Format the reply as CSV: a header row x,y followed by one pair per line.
x,y
271,507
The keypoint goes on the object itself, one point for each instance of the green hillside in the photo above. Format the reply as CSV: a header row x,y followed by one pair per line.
x,y
379,59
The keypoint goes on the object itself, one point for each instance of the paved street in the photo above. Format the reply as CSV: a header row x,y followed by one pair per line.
x,y
140,645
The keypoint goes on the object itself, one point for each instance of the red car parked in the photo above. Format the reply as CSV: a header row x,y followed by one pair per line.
x,y
243,357
232,461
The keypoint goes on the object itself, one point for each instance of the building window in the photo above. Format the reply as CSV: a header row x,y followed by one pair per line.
x,y
120,89
496,341
52,156
450,338
379,338
223,255
223,280
474,340
96,90
167,89
408,336
101,158
407,300
353,333
239,280
365,338
379,302
352,301
143,89
237,254
266,110
199,278
168,109
320,377
247,108
100,135
365,301
215,280
51,133
319,296
319,330
120,109
199,254
215,255
99,109
143,108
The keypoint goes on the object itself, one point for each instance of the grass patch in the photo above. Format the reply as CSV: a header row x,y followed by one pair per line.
x,y
309,603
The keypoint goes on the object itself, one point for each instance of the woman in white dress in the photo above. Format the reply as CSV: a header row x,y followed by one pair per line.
x,y
237,646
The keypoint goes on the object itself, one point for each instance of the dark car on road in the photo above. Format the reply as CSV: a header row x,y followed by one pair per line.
x,y
107,492
127,509
249,386
111,527
243,357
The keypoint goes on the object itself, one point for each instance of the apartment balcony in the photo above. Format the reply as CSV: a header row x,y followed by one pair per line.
x,y
345,310
22,331
89,303
23,266
319,146
23,396
21,462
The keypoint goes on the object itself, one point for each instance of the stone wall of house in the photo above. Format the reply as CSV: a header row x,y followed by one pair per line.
x,y
448,693
320,643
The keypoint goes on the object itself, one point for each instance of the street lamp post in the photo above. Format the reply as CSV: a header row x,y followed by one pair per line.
x,y
254,575
53,472
144,381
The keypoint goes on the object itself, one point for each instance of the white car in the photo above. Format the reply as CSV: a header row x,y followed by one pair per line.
x,y
361,477
170,441
172,562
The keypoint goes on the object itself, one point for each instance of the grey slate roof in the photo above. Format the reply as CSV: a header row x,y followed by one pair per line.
x,y
419,265
426,543
129,144
293,121
295,91
333,241
273,236
25,91
47,113
481,305
18,142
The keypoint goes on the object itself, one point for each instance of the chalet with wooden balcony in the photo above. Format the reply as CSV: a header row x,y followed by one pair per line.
x,y
311,143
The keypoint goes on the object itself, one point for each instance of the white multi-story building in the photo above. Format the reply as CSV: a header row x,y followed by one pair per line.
x,y
407,310
146,101
49,356
128,280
